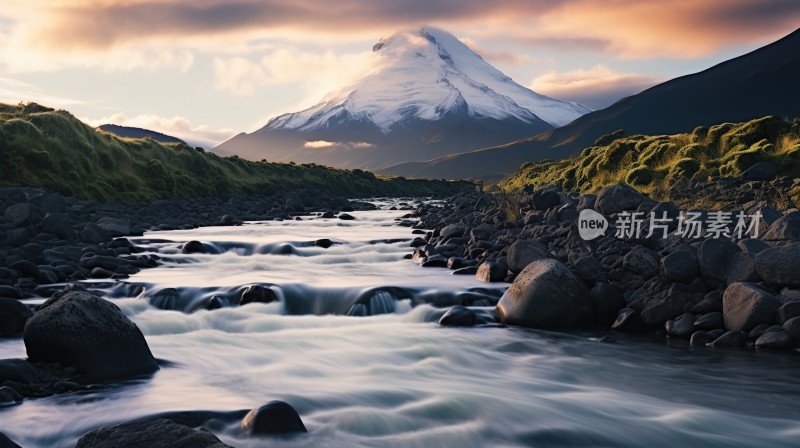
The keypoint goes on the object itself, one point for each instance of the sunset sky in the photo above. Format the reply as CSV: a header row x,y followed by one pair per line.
x,y
211,68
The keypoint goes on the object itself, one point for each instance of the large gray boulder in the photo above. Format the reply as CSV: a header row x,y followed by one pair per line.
x,y
715,256
154,433
680,266
780,265
745,305
546,294
275,417
616,198
524,252
79,329
784,229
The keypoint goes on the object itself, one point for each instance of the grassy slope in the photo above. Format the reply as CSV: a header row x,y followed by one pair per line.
x,y
653,163
40,147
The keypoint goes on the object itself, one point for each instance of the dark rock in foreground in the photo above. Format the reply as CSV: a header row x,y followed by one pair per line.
x,y
5,442
78,329
13,315
546,294
155,433
275,417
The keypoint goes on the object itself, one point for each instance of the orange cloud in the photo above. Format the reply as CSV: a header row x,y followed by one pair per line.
x,y
597,87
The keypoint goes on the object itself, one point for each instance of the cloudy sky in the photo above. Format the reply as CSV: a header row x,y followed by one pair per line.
x,y
206,69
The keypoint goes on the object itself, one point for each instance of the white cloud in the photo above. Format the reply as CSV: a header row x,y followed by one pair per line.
x,y
202,135
14,91
319,144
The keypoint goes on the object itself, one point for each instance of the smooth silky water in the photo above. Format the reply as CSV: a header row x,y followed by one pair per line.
x,y
399,379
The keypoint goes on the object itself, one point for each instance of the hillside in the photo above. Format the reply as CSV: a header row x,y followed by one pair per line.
x,y
131,132
42,147
653,164
757,84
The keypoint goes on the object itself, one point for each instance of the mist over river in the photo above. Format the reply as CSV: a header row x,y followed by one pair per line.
x,y
396,378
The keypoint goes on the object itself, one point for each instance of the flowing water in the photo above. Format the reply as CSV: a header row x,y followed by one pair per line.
x,y
398,379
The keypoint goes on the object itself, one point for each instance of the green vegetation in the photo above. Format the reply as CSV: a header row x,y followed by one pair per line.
x,y
42,147
653,163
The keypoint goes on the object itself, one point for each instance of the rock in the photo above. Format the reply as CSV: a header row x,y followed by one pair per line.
x,y
617,198
778,339
469,270
606,302
452,230
700,338
327,215
714,257
23,214
17,370
5,442
13,315
545,198
780,265
742,269
57,224
680,266
434,261
215,302
17,237
546,294
586,201
26,268
193,247
53,203
101,273
8,396
323,243
257,294
758,330
79,329
490,271
275,417
731,339
346,217
457,263
745,305
759,172
93,234
458,316
418,242
524,252
643,261
628,320
115,227
788,310
153,433
680,327
710,321
587,267
792,326
752,245
784,229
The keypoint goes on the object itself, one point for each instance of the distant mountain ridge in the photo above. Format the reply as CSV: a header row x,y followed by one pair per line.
x,y
430,95
132,132
760,83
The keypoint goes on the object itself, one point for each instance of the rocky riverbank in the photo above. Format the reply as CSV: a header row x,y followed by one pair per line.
x,y
622,261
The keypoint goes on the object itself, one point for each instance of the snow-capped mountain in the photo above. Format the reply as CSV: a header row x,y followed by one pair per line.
x,y
427,96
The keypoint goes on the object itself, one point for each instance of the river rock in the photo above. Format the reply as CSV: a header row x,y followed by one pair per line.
x,y
776,339
23,214
275,417
5,442
13,315
346,217
780,265
257,294
93,234
79,329
643,261
731,339
680,327
680,266
784,229
715,256
524,252
745,305
153,433
117,227
701,338
193,247
617,198
792,326
709,321
606,300
546,294
490,271
458,316
452,230
742,268
752,245
57,224
788,310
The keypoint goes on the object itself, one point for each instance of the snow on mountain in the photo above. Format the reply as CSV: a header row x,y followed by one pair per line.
x,y
426,74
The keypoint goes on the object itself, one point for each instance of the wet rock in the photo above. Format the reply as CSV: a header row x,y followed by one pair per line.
x,y
788,310
452,230
418,242
792,326
5,442
710,321
257,294
26,268
680,266
8,396
643,261
275,417
323,243
357,310
17,370
714,257
777,339
524,252
79,329
13,315
628,320
153,433
93,234
193,247
23,214
457,263
742,269
758,330
469,270
731,339
346,217
490,271
458,316
434,261
680,327
57,224
588,268
745,305
784,229
780,265
617,198
215,302
606,302
701,338
546,294
117,227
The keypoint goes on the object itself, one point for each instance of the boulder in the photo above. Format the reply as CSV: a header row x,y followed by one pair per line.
x,y
5,442
715,256
57,224
275,417
257,294
524,252
193,247
784,229
153,433
680,266
742,268
458,316
780,265
788,310
777,339
23,214
752,245
490,271
545,198
117,227
731,339
346,217
13,315
452,230
546,294
642,261
628,320
93,234
617,198
606,300
745,305
710,321
79,329
701,338
680,327
792,326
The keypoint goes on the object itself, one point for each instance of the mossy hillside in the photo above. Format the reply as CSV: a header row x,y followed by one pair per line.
x,y
653,163
41,147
